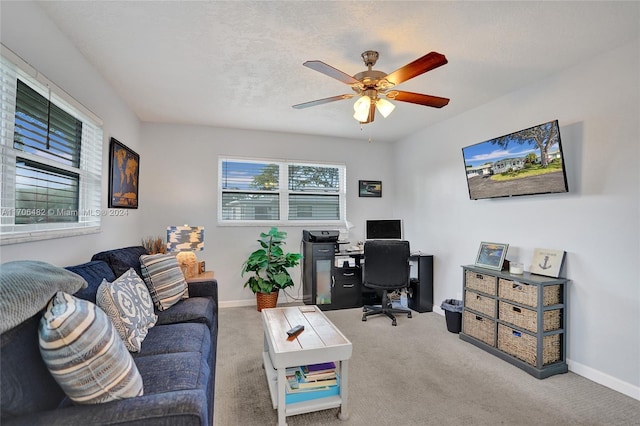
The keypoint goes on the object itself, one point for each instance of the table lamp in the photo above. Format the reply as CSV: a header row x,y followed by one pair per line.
x,y
185,240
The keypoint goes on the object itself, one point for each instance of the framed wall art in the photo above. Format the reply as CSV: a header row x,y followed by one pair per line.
x,y
369,188
491,255
124,171
547,262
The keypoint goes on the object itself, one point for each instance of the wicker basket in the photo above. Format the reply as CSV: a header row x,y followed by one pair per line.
x,y
527,318
264,300
477,302
481,328
481,282
527,294
524,346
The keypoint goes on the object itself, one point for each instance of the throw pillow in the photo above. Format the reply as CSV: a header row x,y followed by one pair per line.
x,y
120,260
27,286
84,353
164,279
127,303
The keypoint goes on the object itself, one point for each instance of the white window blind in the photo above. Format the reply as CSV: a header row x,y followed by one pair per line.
x,y
51,158
253,190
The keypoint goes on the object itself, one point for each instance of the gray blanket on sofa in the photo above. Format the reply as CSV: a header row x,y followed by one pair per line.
x,y
26,286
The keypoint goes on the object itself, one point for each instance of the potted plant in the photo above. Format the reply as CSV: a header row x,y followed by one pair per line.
x,y
269,267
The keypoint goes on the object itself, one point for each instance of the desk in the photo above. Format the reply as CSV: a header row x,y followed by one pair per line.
x,y
330,285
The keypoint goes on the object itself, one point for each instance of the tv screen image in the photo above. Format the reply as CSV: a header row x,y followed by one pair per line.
x,y
384,229
525,162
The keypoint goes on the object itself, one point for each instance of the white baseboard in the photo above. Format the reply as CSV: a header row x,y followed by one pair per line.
x,y
604,379
237,303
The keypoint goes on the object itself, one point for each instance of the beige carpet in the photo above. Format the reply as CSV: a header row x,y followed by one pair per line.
x,y
414,374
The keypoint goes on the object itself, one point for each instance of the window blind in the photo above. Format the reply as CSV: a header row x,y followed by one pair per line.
x,y
51,164
252,190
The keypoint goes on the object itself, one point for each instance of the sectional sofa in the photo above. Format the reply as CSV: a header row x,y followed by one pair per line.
x,y
176,360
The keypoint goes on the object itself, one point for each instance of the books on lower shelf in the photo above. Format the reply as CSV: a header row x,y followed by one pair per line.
x,y
311,381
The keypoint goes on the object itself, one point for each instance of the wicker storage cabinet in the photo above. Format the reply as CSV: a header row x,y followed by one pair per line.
x,y
518,318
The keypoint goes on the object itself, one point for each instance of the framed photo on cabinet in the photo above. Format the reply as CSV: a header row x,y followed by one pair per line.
x,y
491,255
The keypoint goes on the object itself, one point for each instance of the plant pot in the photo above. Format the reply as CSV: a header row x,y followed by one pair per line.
x,y
265,300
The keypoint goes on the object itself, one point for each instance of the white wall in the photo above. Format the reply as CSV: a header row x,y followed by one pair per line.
x,y
29,33
596,223
179,178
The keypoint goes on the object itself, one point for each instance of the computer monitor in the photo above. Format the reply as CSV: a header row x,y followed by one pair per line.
x,y
384,229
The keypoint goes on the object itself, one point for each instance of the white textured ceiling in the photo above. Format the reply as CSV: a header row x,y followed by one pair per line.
x,y
239,64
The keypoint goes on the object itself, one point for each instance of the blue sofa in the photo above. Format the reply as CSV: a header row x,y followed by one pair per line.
x,y
177,362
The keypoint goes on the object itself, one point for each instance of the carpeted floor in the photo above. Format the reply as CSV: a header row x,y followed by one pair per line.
x,y
414,374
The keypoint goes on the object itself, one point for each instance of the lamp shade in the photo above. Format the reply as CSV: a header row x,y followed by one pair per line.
x,y
385,107
361,108
185,238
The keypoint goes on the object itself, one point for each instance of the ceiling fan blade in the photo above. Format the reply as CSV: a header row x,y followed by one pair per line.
x,y
419,66
331,72
323,101
417,98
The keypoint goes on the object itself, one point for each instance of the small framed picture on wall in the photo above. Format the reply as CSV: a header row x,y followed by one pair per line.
x,y
369,188
124,171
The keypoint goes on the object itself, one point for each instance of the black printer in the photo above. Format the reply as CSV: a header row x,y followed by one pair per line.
x,y
320,236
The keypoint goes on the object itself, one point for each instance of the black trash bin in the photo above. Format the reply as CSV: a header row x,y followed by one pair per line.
x,y
453,313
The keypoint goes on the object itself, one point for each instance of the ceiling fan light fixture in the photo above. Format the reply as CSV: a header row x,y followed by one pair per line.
x,y
385,107
361,108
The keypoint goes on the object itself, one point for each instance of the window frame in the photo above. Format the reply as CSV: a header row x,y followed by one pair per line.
x,y
283,193
89,169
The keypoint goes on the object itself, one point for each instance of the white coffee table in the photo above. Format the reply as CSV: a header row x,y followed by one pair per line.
x,y
320,342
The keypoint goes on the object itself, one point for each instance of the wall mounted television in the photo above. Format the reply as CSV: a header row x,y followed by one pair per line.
x,y
384,229
525,162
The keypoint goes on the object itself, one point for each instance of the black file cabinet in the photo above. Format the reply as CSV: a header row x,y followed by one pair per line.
x,y
347,289
326,285
420,294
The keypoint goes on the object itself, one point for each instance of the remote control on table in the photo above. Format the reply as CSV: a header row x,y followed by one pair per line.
x,y
295,330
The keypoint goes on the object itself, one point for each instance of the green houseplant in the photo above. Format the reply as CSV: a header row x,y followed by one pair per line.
x,y
269,268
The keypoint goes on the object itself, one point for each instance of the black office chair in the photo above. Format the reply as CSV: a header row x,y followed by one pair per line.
x,y
386,268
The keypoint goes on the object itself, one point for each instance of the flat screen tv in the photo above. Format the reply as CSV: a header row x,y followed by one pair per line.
x,y
525,162
384,229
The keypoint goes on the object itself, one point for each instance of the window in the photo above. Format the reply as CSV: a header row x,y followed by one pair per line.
x,y
51,166
252,190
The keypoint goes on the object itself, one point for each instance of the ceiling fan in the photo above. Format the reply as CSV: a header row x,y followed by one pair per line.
x,y
374,86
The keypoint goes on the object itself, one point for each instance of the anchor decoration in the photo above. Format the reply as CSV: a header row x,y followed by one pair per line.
x,y
546,264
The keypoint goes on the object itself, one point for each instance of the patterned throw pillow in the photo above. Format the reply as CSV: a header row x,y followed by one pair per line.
x,y
84,353
127,303
164,279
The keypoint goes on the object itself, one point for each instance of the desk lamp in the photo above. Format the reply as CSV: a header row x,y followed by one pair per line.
x,y
185,240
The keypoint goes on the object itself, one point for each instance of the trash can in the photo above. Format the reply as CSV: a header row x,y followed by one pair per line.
x,y
453,314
